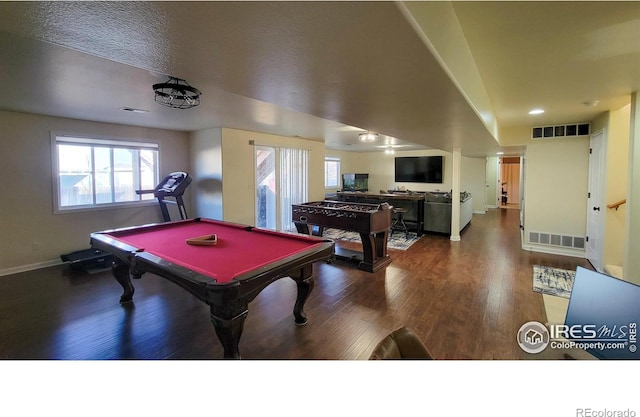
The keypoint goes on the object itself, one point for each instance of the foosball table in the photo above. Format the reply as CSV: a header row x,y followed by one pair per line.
x,y
371,221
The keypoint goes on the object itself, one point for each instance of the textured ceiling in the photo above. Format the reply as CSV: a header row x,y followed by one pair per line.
x,y
319,70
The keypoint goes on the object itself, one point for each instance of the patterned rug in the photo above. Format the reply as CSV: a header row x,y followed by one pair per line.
x,y
553,281
396,241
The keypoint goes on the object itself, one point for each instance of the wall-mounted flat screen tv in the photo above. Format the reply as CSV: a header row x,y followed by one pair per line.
x,y
427,169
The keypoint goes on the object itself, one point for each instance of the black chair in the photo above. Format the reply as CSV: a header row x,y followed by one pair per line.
x,y
398,223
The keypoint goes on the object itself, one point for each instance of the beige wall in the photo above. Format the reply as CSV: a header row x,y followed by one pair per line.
x,y
516,136
632,247
617,171
556,175
238,171
31,233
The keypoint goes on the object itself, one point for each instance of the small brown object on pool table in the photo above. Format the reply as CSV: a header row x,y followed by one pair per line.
x,y
206,240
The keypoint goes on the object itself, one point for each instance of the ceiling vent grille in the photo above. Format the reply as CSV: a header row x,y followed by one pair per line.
x,y
561,131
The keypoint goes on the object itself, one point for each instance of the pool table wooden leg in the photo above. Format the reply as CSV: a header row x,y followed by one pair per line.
x,y
305,283
120,271
229,330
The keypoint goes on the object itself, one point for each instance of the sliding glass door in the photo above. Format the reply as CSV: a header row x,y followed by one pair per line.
x,y
266,208
282,178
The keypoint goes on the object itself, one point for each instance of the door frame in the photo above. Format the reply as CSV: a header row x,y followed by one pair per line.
x,y
276,163
594,250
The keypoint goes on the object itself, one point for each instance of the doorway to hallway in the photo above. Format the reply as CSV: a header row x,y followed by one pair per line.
x,y
509,182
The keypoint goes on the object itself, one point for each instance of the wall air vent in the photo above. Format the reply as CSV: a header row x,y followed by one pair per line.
x,y
561,131
551,239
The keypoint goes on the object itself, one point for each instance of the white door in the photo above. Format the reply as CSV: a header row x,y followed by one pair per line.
x,y
595,206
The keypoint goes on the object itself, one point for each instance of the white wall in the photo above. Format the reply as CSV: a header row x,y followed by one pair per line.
x,y
31,233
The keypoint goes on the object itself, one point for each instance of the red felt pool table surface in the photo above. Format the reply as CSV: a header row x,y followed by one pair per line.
x,y
239,249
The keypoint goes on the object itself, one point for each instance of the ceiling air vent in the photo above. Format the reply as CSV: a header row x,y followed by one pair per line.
x,y
561,131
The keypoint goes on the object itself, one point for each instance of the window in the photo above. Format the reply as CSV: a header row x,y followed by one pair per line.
x,y
331,172
100,172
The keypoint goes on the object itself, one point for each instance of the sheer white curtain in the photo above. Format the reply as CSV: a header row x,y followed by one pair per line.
x,y
294,183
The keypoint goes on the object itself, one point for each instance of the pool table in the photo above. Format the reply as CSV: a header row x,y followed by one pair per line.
x,y
226,273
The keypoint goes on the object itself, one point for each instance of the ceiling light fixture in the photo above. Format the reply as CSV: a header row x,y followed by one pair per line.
x,y
177,94
590,103
536,111
368,137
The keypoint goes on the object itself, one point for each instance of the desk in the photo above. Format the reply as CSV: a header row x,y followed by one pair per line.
x,y
226,276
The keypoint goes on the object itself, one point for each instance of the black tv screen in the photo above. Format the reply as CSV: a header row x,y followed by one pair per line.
x,y
603,315
427,169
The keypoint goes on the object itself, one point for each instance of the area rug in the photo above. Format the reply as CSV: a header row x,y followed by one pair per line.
x,y
396,241
553,281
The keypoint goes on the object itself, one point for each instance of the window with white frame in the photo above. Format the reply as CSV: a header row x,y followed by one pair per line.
x,y
93,172
331,172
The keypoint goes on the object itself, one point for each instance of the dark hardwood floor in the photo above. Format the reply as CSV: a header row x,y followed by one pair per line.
x,y
465,299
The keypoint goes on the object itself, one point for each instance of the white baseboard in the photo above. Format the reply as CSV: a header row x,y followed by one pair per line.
x,y
480,212
555,251
30,267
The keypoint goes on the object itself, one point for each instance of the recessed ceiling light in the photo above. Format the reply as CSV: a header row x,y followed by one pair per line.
x,y
368,137
499,153
132,110
590,103
536,111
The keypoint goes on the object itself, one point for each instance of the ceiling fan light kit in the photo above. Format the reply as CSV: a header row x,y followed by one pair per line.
x,y
177,94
